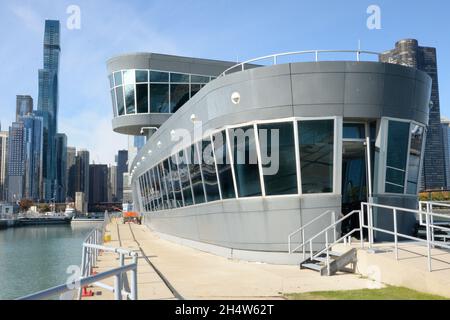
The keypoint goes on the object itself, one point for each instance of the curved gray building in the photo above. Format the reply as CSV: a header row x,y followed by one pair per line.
x,y
242,159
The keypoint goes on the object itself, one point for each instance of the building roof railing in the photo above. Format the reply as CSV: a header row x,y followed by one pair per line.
x,y
274,58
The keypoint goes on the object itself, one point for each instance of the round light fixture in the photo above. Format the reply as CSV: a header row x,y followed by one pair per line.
x,y
236,98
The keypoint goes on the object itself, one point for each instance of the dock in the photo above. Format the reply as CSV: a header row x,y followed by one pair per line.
x,y
168,271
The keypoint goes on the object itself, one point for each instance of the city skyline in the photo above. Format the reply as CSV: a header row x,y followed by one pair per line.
x,y
84,105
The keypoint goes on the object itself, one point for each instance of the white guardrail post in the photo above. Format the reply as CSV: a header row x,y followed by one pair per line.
x,y
395,234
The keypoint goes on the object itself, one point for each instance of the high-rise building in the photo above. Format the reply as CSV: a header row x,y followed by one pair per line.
x,y
3,165
48,103
24,106
71,172
32,144
82,173
61,167
98,183
409,53
16,162
112,183
122,167
446,141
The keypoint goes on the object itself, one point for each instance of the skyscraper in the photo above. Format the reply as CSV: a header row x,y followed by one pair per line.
x,y
98,183
16,162
71,172
61,167
446,140
24,106
112,183
82,173
408,52
122,167
32,144
3,165
48,103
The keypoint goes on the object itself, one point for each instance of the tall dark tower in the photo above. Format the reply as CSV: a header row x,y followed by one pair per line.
x,y
48,104
408,52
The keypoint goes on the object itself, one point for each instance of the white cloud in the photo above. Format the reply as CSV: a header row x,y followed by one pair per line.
x,y
29,17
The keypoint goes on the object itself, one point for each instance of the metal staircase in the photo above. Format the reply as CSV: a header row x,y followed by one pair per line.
x,y
325,260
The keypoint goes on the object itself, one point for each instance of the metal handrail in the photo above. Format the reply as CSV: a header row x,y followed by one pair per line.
x,y
429,241
83,282
302,229
274,57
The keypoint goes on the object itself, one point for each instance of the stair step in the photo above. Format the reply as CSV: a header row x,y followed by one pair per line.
x,y
323,259
312,266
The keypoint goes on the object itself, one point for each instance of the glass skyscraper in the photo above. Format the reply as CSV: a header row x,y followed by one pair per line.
x,y
48,104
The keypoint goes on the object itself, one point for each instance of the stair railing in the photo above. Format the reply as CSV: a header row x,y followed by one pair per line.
x,y
303,228
330,244
428,207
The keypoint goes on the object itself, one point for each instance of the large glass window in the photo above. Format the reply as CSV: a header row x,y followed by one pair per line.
x,y
163,184
223,161
278,158
159,98
129,77
196,176
118,78
316,139
179,78
199,79
397,154
179,95
354,131
157,186
176,181
245,161
142,98
209,171
196,88
156,76
185,180
415,156
141,76
113,97
111,81
169,185
129,99
120,101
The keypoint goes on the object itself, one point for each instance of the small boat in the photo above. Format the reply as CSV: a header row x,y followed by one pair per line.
x,y
89,218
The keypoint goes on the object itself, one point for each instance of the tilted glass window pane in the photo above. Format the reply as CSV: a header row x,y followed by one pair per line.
x,y
245,161
129,77
278,158
142,98
199,79
118,78
397,153
223,161
196,176
354,131
179,78
114,104
169,185
209,171
196,88
157,187
111,81
143,192
129,99
149,191
164,194
184,177
316,139
179,95
159,98
176,181
120,102
156,76
141,76
415,156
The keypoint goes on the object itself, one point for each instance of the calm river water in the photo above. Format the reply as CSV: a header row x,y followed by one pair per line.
x,y
36,258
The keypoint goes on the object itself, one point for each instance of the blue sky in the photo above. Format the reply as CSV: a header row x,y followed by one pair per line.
x,y
218,29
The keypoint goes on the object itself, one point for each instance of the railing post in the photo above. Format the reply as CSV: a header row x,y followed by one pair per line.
x,y
361,223
395,234
133,288
370,223
427,219
328,253
333,222
274,59
317,56
310,249
431,223
303,243
117,287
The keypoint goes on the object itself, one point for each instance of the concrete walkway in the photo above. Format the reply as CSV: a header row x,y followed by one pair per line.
x,y
192,274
